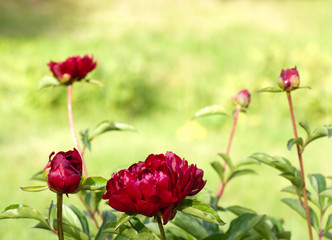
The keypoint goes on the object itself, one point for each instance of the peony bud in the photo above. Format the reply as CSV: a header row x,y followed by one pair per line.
x,y
72,69
64,172
156,185
289,79
242,98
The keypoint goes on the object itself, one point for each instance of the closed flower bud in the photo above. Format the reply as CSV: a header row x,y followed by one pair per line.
x,y
289,79
242,98
158,184
72,69
63,173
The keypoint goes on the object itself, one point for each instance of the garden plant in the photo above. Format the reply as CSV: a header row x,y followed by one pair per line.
x,y
164,196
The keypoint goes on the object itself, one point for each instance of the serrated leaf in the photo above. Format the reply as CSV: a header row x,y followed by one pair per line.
x,y
291,142
106,126
22,211
270,89
306,127
95,183
219,169
227,159
243,224
39,176
48,81
200,210
34,188
210,110
241,172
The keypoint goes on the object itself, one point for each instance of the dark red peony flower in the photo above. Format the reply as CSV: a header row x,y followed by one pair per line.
x,y
159,183
289,79
73,69
64,172
242,98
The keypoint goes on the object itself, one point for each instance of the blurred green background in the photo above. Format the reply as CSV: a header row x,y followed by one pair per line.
x,y
160,62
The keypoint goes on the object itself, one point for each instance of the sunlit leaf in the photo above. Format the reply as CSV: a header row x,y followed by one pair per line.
x,y
48,81
227,159
219,169
306,127
123,219
291,142
200,210
106,126
210,110
22,211
95,183
270,89
317,182
328,223
320,132
239,210
35,188
81,217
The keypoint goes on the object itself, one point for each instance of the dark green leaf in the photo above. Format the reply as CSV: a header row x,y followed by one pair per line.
x,y
108,218
217,236
95,183
39,176
48,81
210,110
328,235
190,225
328,223
295,180
34,188
238,210
22,211
291,189
306,127
219,169
92,198
291,142
241,172
318,182
227,159
270,89
243,224
106,126
82,219
200,210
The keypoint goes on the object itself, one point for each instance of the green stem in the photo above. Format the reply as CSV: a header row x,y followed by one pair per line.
x,y
71,124
59,216
222,184
161,228
299,153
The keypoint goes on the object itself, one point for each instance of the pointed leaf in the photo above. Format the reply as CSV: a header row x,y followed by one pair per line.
x,y
34,188
200,210
108,218
291,142
241,172
295,180
238,210
280,163
52,214
328,223
86,139
219,169
123,219
48,81
306,127
106,126
270,89
95,183
39,176
210,110
70,217
22,211
318,182
320,132
81,217
227,159
327,193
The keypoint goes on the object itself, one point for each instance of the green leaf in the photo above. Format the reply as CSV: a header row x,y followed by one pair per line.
x,y
86,139
123,219
190,225
241,172
48,81
81,217
320,132
227,159
291,142
290,189
95,183
70,217
242,225
317,182
270,89
280,163
238,210
328,223
306,127
94,81
39,176
92,198
200,210
106,126
108,218
52,214
327,193
34,188
295,180
22,211
210,110
217,236
219,169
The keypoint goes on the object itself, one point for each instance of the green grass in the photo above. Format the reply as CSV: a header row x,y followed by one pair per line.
x,y
160,61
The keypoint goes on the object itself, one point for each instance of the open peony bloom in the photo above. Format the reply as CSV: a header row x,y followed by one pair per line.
x,y
72,69
242,98
289,79
64,172
159,183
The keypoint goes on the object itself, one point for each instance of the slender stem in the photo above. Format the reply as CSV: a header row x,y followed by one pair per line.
x,y
71,124
59,216
299,153
161,228
222,184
